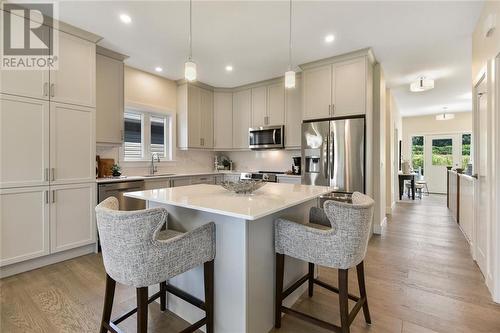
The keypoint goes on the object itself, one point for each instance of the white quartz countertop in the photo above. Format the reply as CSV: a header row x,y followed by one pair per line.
x,y
161,176
267,200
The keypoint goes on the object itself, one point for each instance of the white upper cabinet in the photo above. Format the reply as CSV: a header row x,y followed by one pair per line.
x,y
109,100
207,118
72,144
349,87
72,216
317,92
223,120
336,89
28,83
259,106
276,104
24,141
74,80
24,224
242,101
293,102
194,117
268,105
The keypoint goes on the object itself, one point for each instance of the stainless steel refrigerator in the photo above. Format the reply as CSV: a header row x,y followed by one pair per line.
x,y
333,154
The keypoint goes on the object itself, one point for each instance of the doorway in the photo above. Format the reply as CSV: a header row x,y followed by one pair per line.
x,y
481,169
440,151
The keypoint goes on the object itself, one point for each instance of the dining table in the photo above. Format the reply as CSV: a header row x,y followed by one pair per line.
x,y
411,177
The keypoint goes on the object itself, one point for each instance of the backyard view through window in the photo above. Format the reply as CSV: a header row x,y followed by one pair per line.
x,y
442,152
417,153
466,150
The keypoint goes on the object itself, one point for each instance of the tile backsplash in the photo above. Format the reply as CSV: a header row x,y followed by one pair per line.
x,y
262,160
191,161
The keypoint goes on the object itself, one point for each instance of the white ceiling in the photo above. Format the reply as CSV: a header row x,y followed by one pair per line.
x,y
409,39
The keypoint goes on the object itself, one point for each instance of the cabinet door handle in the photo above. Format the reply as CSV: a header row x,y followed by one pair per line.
x,y
52,174
52,90
333,109
46,196
329,109
46,89
53,196
46,174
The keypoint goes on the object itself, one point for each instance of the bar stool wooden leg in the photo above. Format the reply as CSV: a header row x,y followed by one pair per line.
x,y
280,266
142,310
343,300
311,279
108,302
163,296
362,291
208,271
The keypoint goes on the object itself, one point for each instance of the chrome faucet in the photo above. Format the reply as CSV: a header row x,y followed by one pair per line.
x,y
153,168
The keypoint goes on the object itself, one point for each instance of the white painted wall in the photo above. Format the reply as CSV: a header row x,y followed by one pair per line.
x,y
160,94
379,149
392,136
462,123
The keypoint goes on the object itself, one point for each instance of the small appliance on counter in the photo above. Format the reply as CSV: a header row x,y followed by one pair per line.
x,y
296,170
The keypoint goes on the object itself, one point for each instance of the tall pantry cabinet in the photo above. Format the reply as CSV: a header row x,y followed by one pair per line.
x,y
47,156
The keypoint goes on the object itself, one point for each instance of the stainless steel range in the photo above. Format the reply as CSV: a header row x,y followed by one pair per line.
x,y
267,176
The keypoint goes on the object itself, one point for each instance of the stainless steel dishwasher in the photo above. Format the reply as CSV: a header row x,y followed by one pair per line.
x,y
117,189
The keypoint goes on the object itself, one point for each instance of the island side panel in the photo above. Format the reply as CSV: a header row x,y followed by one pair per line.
x,y
261,268
229,271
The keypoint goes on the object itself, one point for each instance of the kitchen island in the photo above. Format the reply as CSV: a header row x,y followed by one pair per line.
x,y
245,258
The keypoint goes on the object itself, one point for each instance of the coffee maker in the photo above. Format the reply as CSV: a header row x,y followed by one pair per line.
x,y
296,165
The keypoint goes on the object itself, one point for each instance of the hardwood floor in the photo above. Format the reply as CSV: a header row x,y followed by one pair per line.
x,y
420,279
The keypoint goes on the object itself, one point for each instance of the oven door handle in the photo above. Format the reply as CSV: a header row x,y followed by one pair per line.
x,y
274,136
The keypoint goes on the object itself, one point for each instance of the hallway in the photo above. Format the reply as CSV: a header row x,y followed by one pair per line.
x,y
420,279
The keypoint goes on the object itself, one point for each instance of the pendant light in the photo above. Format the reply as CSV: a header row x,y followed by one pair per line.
x,y
290,74
422,84
190,66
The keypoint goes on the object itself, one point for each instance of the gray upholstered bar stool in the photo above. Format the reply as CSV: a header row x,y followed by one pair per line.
x,y
138,251
341,245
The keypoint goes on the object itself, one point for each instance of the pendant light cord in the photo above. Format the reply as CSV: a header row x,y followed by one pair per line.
x,y
290,40
190,30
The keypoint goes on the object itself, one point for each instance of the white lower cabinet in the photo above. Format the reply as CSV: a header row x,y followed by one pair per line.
x,y
24,224
37,221
72,216
176,182
154,184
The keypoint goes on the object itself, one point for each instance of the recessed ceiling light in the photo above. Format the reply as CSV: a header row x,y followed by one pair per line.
x,y
229,68
159,69
329,38
125,18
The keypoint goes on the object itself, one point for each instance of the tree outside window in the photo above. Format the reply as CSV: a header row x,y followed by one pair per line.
x,y
417,153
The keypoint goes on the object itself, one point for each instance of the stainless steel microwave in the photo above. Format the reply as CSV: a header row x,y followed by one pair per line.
x,y
266,137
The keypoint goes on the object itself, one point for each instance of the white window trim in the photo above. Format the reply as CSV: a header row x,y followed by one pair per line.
x,y
171,117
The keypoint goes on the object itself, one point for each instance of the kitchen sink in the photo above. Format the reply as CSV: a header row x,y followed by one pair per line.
x,y
160,175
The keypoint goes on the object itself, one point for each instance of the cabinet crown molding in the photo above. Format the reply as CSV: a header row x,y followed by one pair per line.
x,y
110,53
366,52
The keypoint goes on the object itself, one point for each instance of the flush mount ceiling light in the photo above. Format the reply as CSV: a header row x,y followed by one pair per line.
x,y
290,74
229,68
329,38
444,115
159,69
125,18
190,66
422,84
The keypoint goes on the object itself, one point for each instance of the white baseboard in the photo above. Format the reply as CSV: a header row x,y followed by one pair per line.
x,y
378,229
31,264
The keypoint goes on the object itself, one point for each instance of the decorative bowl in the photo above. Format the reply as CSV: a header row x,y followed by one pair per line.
x,y
243,186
